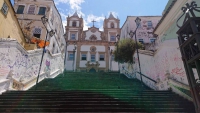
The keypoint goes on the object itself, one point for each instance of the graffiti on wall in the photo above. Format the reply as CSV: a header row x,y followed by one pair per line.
x,y
166,64
22,66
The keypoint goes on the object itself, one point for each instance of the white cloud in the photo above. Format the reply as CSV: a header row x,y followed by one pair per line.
x,y
75,5
92,17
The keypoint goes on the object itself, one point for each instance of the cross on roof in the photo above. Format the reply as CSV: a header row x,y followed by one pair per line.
x,y
93,22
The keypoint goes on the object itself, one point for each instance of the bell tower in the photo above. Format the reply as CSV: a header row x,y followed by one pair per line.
x,y
74,27
111,28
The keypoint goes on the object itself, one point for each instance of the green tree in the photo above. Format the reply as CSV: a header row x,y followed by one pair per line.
x,y
125,49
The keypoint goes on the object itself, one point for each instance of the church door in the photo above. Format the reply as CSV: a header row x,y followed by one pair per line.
x,y
92,70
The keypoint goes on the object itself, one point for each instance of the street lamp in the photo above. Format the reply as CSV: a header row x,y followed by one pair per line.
x,y
51,33
65,54
118,38
111,54
110,57
137,21
74,50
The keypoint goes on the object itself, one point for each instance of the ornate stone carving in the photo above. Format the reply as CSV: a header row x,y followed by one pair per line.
x,y
93,48
93,30
93,38
92,65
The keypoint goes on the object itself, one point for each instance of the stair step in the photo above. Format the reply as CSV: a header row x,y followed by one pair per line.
x,y
97,109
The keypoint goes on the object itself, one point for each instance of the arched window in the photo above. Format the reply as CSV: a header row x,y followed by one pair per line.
x,y
74,23
112,25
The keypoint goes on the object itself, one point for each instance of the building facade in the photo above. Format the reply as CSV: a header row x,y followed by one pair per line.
x,y
164,68
29,13
19,67
179,79
145,29
90,50
9,21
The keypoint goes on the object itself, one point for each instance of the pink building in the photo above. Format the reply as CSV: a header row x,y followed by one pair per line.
x,y
145,30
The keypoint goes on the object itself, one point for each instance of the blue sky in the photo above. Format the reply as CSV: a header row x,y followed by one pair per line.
x,y
98,9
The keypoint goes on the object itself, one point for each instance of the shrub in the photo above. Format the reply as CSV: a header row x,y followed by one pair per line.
x,y
125,50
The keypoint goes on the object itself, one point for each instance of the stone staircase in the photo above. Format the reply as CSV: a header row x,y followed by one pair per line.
x,y
93,100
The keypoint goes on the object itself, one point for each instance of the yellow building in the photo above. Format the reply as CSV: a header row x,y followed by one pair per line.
x,y
9,25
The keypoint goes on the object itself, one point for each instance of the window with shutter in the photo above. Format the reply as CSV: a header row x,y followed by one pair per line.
x,y
93,59
31,9
112,38
20,9
4,8
42,11
101,57
37,32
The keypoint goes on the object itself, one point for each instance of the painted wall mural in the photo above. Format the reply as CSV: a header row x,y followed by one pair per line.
x,y
25,65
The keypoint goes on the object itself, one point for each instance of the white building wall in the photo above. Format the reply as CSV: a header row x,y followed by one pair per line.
x,y
23,66
69,63
89,33
115,66
165,64
98,49
82,63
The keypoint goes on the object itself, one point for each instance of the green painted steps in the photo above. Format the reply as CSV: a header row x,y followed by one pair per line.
x,y
76,101
93,92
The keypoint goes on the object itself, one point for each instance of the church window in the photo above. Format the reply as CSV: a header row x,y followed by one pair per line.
x,y
141,41
112,38
149,24
73,36
37,32
74,23
112,25
42,11
83,57
71,56
93,59
31,9
101,57
20,9
4,8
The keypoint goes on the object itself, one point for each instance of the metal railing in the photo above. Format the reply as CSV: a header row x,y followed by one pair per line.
x,y
147,77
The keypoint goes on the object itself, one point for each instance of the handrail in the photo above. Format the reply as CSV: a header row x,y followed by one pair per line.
x,y
147,77
128,73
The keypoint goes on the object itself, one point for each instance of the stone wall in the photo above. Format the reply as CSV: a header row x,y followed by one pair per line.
x,y
21,67
164,66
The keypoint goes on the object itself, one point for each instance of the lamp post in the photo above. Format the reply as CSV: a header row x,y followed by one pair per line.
x,y
74,50
110,55
51,33
137,21
65,54
118,38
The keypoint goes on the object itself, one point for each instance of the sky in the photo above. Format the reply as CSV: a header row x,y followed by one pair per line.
x,y
99,9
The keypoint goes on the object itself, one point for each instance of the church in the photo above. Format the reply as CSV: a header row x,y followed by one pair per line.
x,y
91,50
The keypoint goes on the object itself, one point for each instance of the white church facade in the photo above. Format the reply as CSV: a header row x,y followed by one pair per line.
x,y
91,50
